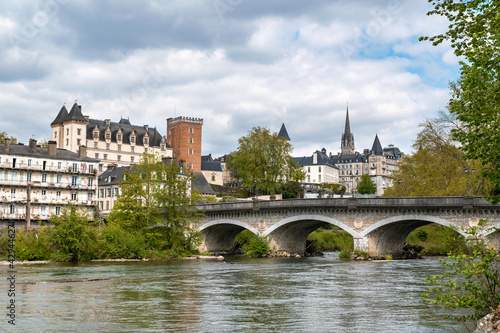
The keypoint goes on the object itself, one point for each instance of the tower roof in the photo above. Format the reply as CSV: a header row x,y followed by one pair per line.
x,y
283,133
347,140
377,147
76,113
347,129
61,116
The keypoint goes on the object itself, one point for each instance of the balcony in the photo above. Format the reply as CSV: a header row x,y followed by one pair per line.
x,y
33,167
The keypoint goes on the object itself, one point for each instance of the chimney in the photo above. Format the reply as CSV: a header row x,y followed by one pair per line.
x,y
82,151
86,118
52,148
7,144
167,160
146,127
32,145
107,121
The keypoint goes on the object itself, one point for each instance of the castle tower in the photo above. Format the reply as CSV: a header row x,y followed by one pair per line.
x,y
69,129
347,141
184,136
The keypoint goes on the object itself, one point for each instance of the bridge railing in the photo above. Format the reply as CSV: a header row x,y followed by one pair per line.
x,y
354,203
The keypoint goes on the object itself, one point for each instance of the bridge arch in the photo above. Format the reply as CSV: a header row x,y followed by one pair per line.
x,y
388,235
291,233
219,234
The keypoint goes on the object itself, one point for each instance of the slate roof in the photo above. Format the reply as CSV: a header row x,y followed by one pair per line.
x,y
392,151
283,133
322,159
113,176
377,147
74,114
24,150
61,116
155,137
201,185
349,158
211,166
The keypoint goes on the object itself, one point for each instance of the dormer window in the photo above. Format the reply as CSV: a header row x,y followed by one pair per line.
x,y
108,135
119,137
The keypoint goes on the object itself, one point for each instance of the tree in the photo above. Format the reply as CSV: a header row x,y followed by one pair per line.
x,y
73,233
156,202
262,161
366,185
474,32
471,281
438,167
4,135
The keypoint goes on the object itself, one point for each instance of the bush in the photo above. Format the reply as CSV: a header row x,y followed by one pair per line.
x,y
332,238
116,242
32,244
251,244
437,240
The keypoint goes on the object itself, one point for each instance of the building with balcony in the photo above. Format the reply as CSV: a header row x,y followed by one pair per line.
x,y
45,180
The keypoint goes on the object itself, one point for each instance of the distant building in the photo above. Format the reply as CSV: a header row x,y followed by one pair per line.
x,y
184,136
212,170
46,179
319,168
110,187
120,142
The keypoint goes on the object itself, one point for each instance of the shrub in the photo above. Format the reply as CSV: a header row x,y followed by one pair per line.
x,y
116,242
32,244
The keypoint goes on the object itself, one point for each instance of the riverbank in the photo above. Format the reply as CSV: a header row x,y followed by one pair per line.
x,y
37,262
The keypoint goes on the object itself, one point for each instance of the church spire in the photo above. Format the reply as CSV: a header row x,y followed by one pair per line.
x,y
347,141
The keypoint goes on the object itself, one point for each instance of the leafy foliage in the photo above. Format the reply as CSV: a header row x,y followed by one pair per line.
x,y
4,135
471,281
292,190
73,233
438,167
474,33
332,239
33,244
366,185
262,161
334,188
156,202
251,244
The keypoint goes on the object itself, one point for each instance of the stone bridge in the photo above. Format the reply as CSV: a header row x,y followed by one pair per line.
x,y
377,225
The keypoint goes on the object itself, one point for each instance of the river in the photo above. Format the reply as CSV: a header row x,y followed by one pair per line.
x,y
235,295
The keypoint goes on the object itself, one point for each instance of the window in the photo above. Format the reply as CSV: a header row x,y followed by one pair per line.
x,y
58,195
44,165
67,131
119,157
132,139
79,131
44,194
96,155
108,192
190,165
190,151
91,181
59,165
191,130
107,205
74,196
132,158
58,210
28,176
146,141
146,150
44,177
67,142
14,177
91,168
119,147
13,162
96,144
119,137
319,170
107,146
319,178
115,192
90,196
105,156
55,135
308,169
213,178
78,142
108,135
12,193
100,167
100,205
132,149
101,193
190,140
74,180
75,167
29,162
59,178
12,209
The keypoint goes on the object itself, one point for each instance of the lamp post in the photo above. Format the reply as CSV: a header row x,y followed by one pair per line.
x,y
468,182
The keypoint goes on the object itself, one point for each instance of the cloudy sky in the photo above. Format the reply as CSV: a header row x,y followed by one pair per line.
x,y
235,63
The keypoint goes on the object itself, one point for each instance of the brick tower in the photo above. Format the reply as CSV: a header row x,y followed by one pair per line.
x,y
184,136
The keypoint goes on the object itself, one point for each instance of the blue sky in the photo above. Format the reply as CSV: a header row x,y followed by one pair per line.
x,y
235,63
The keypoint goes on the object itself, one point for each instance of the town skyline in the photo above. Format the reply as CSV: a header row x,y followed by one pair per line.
x,y
235,64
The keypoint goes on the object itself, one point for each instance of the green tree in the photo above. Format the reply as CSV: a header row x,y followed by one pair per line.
x,y
438,167
73,233
474,32
292,190
471,281
156,202
262,161
4,135
334,188
366,185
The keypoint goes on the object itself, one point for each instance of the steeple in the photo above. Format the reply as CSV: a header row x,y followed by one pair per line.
x,y
347,141
283,133
377,147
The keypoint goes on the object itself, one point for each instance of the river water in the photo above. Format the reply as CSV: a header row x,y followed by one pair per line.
x,y
235,295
